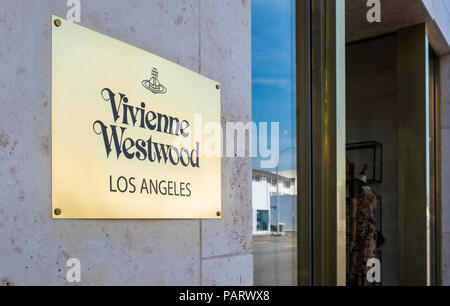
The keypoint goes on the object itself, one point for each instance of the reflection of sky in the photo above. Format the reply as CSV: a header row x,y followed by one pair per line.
x,y
273,72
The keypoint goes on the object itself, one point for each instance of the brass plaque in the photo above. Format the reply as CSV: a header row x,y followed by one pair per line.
x,y
124,141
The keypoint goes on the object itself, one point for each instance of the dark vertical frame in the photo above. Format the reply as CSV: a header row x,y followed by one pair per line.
x,y
304,188
435,172
438,184
321,139
414,156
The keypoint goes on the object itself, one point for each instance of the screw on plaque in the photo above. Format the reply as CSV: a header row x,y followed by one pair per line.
x,y
57,22
57,211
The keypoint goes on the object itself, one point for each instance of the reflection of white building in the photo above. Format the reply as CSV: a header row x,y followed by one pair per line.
x,y
264,185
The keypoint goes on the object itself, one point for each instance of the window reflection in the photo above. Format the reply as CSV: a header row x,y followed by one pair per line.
x,y
274,191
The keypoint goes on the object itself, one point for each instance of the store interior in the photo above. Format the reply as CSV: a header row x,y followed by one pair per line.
x,y
372,158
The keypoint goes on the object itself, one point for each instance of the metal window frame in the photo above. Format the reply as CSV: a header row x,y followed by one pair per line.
x,y
320,31
414,203
321,138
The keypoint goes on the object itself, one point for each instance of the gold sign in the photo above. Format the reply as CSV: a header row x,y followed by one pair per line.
x,y
124,144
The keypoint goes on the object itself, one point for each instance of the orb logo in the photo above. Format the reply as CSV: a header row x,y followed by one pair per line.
x,y
153,83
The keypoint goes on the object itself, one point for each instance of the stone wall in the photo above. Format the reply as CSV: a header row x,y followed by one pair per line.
x,y
439,24
209,37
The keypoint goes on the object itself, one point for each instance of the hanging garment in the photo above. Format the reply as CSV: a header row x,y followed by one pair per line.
x,y
366,233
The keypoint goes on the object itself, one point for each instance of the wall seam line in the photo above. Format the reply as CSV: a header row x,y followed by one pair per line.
x,y
226,256
199,71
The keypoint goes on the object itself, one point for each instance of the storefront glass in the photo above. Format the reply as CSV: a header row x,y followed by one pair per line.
x,y
274,197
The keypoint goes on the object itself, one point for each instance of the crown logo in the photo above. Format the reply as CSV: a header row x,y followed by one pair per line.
x,y
153,83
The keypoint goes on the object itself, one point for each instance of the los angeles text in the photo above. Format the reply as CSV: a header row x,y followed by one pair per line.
x,y
133,185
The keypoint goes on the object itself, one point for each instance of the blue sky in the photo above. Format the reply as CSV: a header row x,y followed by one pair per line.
x,y
273,72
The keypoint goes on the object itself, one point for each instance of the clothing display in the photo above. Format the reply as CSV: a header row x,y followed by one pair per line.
x,y
363,232
366,232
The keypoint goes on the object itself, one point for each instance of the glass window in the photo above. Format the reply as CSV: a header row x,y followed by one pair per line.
x,y
274,103
271,181
256,178
262,220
